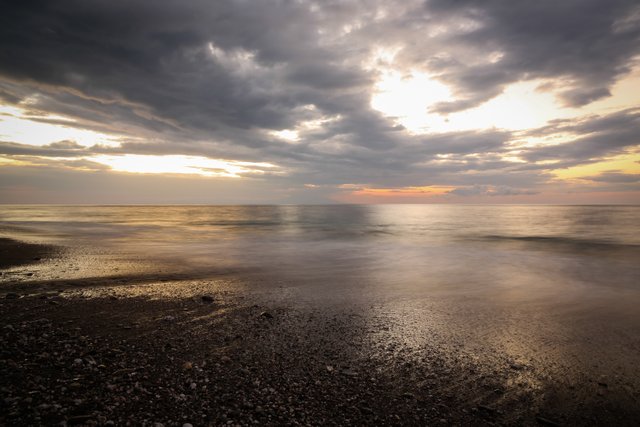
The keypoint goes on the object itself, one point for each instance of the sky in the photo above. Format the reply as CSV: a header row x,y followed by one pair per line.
x,y
283,101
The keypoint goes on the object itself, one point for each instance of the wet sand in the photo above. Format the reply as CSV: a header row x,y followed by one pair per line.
x,y
172,347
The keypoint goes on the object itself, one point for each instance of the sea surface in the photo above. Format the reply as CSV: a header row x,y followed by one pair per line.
x,y
396,251
556,288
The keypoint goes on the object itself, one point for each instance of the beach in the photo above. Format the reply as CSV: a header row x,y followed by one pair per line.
x,y
104,335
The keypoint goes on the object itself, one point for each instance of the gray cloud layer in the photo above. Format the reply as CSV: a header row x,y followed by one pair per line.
x,y
213,78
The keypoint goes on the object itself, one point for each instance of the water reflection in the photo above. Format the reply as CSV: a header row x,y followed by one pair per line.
x,y
410,248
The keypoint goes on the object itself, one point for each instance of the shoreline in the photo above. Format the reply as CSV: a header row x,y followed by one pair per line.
x,y
94,352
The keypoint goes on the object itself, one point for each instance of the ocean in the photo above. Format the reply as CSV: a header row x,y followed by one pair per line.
x,y
398,251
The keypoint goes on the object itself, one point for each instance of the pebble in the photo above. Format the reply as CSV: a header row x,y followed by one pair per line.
x,y
546,421
268,385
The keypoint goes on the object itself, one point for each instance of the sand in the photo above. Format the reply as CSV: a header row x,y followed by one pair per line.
x,y
173,349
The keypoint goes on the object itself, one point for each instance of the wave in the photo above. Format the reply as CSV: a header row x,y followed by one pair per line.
x,y
566,241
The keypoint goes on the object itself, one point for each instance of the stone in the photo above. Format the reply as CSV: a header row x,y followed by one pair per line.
x,y
546,421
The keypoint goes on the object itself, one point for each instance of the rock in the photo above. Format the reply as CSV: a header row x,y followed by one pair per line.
x,y
486,408
266,315
187,425
187,366
225,359
168,319
78,419
546,421
207,299
11,295
349,373
366,410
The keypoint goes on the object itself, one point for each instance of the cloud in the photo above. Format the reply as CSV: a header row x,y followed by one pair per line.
x,y
596,137
615,177
486,190
220,79
55,149
578,41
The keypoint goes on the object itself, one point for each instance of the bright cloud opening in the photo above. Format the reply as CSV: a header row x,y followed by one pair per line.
x,y
179,164
409,99
17,125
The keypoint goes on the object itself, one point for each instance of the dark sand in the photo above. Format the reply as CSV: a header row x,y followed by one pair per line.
x,y
13,253
140,349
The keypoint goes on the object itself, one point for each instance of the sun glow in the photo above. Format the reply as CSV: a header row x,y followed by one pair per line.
x,y
407,98
353,193
288,135
629,164
432,190
185,165
18,125
410,98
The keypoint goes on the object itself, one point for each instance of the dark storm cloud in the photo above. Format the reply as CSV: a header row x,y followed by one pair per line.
x,y
589,43
213,78
203,64
597,137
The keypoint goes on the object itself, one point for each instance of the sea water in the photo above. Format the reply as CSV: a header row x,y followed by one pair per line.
x,y
399,250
